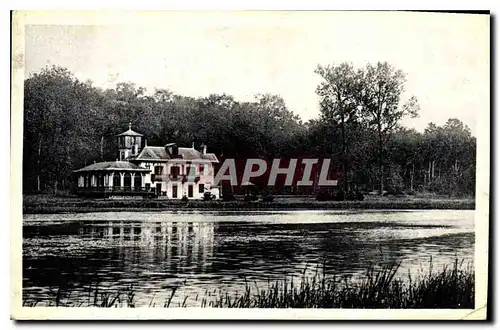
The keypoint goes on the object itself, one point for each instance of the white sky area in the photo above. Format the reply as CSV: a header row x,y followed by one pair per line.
x,y
446,56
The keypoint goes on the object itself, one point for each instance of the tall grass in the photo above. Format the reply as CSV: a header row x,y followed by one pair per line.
x,y
95,297
452,287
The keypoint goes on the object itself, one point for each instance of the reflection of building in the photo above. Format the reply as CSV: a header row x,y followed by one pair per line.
x,y
169,171
183,244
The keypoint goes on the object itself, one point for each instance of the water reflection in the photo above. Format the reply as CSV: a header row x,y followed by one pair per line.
x,y
174,245
199,252
116,253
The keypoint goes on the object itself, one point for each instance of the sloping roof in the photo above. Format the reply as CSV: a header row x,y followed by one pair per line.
x,y
112,166
190,153
161,154
153,153
211,157
129,132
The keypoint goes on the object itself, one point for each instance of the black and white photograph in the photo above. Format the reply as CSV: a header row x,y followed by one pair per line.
x,y
250,165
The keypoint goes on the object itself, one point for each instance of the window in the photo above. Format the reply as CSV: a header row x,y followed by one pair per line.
x,y
174,171
158,170
201,188
174,191
189,168
201,168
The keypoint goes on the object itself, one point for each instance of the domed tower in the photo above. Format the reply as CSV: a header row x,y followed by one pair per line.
x,y
130,143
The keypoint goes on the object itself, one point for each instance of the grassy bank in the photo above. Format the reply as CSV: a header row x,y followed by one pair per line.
x,y
54,204
452,287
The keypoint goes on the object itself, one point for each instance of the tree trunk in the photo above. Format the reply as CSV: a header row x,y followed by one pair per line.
x,y
102,149
344,158
38,163
380,163
429,174
412,174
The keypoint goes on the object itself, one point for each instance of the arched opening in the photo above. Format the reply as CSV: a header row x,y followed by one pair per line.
x,y
127,181
100,181
87,180
116,180
138,181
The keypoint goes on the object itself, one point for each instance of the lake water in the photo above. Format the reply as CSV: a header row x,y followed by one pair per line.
x,y
201,252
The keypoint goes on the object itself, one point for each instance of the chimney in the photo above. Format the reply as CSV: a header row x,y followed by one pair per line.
x,y
192,145
172,149
204,146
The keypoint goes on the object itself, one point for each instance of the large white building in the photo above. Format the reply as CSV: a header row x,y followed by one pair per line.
x,y
163,171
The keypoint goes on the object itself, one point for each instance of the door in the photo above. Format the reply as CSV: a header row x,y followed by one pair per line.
x,y
158,189
174,191
190,190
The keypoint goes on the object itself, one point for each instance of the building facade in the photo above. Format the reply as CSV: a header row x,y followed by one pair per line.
x,y
169,171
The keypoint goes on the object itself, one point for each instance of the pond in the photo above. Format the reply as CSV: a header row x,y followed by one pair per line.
x,y
202,252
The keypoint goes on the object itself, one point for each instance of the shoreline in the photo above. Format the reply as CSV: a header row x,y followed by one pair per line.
x,y
52,204
378,287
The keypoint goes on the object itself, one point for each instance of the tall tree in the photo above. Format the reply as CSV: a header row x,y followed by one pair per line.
x,y
69,124
338,101
382,87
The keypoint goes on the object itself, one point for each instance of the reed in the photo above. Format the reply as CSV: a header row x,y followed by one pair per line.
x,y
452,287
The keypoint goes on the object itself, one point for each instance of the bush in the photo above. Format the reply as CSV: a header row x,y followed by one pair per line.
x,y
340,196
208,196
351,196
323,196
228,197
251,198
268,198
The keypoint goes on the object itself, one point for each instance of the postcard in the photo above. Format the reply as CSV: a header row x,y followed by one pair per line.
x,y
250,165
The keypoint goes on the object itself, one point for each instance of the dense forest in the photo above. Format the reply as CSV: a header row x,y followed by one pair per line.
x,y
70,123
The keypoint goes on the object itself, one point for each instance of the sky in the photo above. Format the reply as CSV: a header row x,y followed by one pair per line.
x,y
445,56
